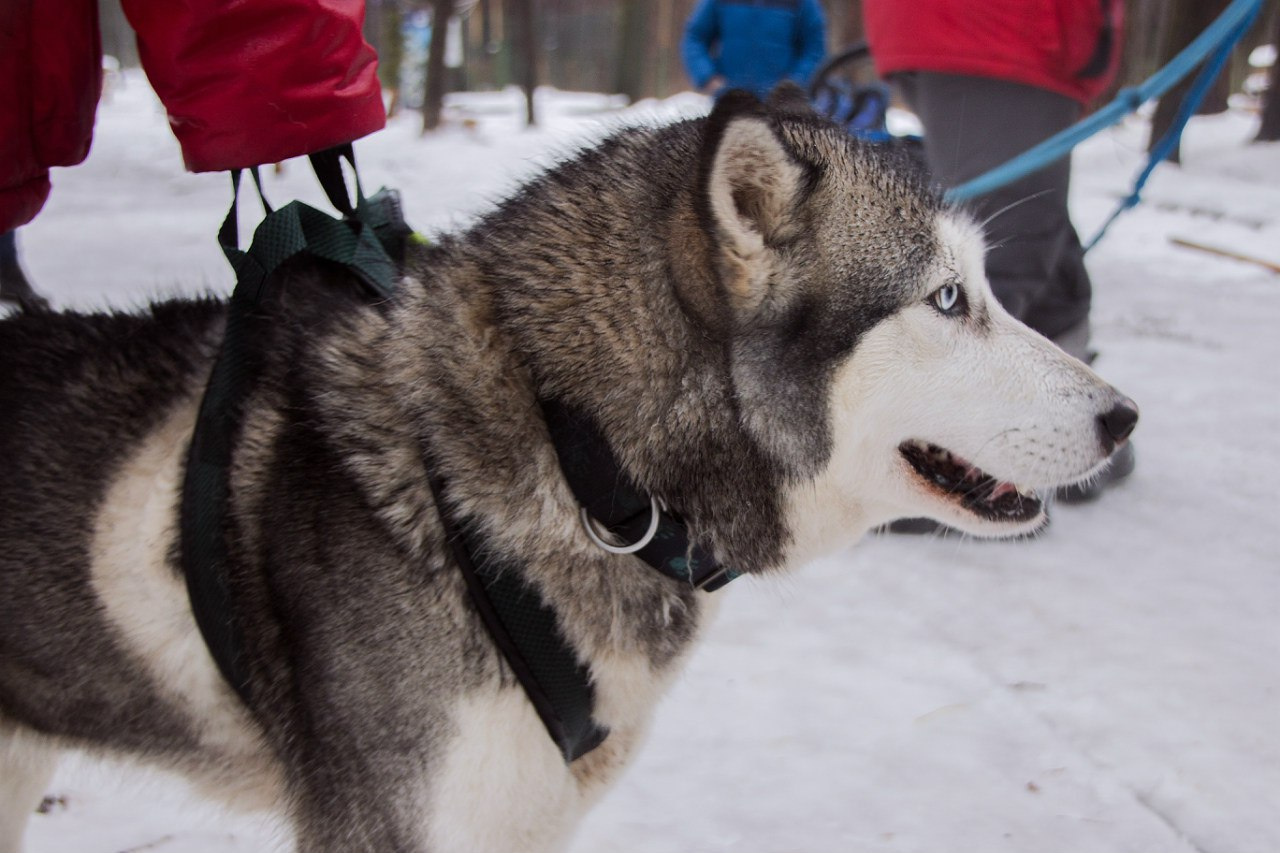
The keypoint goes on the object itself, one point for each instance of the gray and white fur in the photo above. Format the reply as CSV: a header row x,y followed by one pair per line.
x,y
756,310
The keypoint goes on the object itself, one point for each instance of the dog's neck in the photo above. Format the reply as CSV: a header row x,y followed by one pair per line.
x,y
652,367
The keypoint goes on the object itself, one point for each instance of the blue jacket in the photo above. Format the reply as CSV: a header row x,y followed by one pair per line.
x,y
754,44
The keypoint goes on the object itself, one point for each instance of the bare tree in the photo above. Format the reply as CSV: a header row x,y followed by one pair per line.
x,y
844,24
633,48
525,42
433,99
118,39
384,24
667,77
1270,129
1189,18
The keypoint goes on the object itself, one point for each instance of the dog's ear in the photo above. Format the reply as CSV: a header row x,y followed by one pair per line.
x,y
750,189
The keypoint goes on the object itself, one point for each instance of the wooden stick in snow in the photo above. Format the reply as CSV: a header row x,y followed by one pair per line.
x,y
1225,253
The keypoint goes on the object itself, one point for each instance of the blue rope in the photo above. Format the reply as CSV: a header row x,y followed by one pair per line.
x,y
1220,36
1169,142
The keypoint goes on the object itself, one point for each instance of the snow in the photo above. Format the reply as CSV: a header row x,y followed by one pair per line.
x,y
1262,56
1112,686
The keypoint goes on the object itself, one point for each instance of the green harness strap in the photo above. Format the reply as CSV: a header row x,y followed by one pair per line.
x,y
364,242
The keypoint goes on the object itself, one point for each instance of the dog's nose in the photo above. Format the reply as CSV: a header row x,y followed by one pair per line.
x,y
1118,424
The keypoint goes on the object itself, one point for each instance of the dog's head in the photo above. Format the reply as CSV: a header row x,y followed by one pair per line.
x,y
868,355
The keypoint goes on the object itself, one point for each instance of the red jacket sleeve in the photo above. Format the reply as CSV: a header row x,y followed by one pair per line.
x,y
1066,46
247,82
50,80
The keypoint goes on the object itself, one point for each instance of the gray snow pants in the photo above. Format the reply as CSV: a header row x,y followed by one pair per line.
x,y
1035,263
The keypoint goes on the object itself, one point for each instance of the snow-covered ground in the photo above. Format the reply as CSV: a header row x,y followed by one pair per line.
x,y
1113,686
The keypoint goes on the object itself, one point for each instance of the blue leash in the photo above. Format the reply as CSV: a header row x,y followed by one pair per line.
x,y
1169,142
1218,39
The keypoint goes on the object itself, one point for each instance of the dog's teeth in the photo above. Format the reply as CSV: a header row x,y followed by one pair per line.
x,y
962,479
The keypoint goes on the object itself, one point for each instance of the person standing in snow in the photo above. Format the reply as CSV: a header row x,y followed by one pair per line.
x,y
990,79
753,44
244,84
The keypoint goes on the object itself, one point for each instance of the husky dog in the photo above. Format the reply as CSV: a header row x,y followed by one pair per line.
x,y
782,334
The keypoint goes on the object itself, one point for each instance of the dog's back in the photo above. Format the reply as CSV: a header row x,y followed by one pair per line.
x,y
77,392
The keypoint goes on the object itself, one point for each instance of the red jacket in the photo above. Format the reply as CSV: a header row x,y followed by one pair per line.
x,y
46,108
1066,46
245,82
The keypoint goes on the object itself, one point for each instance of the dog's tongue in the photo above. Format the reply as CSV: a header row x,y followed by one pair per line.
x,y
1001,490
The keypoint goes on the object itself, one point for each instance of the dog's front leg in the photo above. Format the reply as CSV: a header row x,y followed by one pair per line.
x,y
26,766
501,783
358,810
480,777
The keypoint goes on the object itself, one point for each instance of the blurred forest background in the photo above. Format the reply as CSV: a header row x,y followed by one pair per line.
x,y
632,47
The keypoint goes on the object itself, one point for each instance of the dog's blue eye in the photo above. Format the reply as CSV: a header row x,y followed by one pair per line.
x,y
948,300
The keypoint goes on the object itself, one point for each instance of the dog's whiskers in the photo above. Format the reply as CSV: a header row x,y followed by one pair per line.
x,y
1010,206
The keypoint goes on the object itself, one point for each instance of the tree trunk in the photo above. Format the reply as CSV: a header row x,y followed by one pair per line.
x,y
1190,18
1270,129
389,25
433,99
525,42
667,75
633,36
844,24
118,39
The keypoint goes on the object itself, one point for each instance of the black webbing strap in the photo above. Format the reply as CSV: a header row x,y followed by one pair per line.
x,y
382,213
292,231
613,500
528,634
522,625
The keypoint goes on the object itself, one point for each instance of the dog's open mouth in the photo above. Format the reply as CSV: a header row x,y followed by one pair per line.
x,y
962,482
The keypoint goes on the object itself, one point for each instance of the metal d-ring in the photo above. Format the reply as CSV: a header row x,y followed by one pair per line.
x,y
589,525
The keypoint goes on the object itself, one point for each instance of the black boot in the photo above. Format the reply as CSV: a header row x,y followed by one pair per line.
x,y
15,288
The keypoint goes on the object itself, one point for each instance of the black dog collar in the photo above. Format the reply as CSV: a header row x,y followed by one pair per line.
x,y
609,499
525,627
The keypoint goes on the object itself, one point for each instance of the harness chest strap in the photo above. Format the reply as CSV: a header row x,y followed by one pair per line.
x,y
528,634
523,626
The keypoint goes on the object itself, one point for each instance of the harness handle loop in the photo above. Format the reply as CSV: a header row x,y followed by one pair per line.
x,y
229,232
327,165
